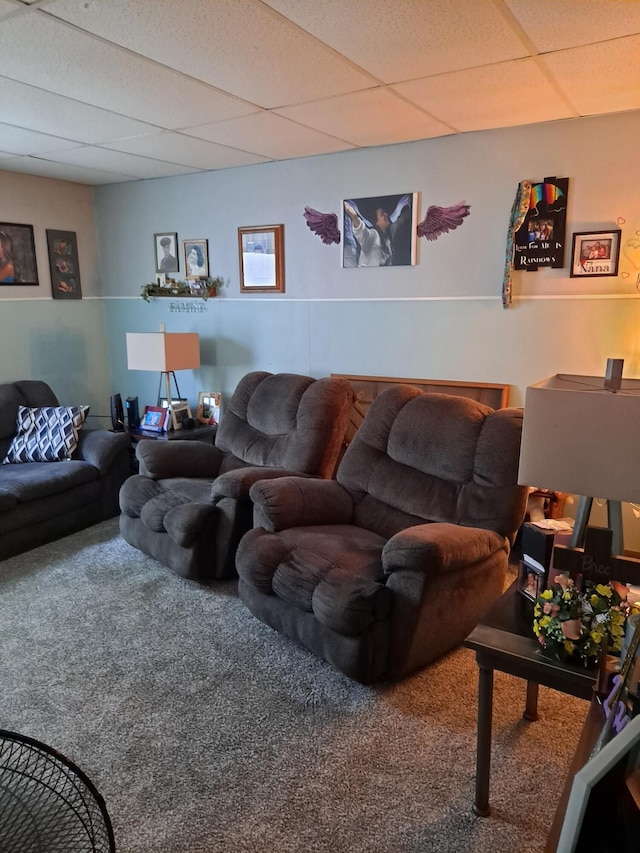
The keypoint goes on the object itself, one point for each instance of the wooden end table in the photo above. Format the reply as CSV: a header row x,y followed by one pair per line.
x,y
504,641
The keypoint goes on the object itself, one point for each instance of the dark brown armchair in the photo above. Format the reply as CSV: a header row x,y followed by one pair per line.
x,y
189,506
391,565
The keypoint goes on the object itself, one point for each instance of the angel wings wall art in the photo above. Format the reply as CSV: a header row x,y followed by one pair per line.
x,y
382,230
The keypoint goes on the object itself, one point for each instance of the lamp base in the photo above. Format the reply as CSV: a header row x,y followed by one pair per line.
x,y
614,521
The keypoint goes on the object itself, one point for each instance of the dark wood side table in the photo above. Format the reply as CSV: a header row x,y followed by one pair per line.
x,y
199,433
504,641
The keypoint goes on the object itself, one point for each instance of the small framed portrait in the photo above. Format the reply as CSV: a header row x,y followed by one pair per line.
x,y
595,253
531,580
63,263
166,249
261,251
209,405
196,259
17,255
180,412
154,419
174,402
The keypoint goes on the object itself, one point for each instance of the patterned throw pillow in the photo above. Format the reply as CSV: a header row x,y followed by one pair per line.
x,y
47,434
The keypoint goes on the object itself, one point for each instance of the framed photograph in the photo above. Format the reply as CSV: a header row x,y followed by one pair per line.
x,y
209,405
154,418
164,403
63,263
17,255
380,231
196,259
531,580
166,252
261,252
161,279
180,412
595,253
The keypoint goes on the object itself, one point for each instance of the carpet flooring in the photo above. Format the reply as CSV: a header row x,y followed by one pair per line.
x,y
205,731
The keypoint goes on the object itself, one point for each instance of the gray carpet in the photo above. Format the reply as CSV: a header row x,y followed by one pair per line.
x,y
206,731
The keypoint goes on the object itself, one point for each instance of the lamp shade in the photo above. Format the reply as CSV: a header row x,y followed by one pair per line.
x,y
163,351
578,437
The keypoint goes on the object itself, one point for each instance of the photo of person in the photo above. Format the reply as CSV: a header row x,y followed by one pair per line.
x,y
196,260
379,231
166,260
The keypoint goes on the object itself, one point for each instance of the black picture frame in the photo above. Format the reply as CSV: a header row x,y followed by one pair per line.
x,y
18,264
595,254
63,264
166,261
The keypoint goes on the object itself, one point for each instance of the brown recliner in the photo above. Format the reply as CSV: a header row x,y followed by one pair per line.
x,y
393,563
189,506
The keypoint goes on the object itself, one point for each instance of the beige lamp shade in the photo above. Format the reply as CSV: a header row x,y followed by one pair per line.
x,y
578,437
163,351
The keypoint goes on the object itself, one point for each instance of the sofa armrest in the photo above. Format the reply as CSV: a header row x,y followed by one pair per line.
x,y
440,547
163,460
101,448
298,501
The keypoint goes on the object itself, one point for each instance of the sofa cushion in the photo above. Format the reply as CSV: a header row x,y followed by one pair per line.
x,y
46,434
34,480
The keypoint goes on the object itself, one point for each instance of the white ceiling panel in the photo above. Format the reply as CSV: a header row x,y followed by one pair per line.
x,y
37,109
116,161
214,84
239,46
403,39
570,23
272,136
51,55
613,84
358,118
186,150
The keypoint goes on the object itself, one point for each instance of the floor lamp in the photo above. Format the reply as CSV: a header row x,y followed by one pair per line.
x,y
164,352
581,435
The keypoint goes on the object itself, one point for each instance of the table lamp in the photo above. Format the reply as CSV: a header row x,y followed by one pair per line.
x,y
164,352
581,435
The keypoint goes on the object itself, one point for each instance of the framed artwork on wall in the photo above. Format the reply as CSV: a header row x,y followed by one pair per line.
x,y
380,231
63,263
17,255
261,254
595,253
166,251
196,259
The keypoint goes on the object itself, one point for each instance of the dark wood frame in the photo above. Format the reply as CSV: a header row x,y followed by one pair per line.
x,y
63,264
24,254
276,233
578,269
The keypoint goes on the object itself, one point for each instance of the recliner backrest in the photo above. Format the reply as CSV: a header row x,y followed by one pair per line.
x,y
285,420
420,457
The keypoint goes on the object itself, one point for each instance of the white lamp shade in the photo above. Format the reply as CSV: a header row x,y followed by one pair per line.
x,y
163,351
581,438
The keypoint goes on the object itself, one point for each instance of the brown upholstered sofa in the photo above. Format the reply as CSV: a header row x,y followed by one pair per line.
x,y
45,500
189,506
393,563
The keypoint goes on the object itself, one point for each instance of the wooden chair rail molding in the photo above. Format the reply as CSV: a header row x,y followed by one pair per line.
x,y
368,387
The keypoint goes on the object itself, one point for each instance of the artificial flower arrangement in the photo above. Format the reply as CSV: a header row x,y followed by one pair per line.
x,y
577,624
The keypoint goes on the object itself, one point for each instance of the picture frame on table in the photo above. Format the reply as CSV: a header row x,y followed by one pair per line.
x,y
209,406
196,259
63,264
18,263
595,253
261,258
166,251
180,413
164,403
154,419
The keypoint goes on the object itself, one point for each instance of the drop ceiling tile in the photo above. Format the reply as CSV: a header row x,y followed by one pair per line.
x,y
374,117
62,172
22,141
559,24
600,78
271,135
43,52
186,150
35,109
405,39
241,47
503,95
115,161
